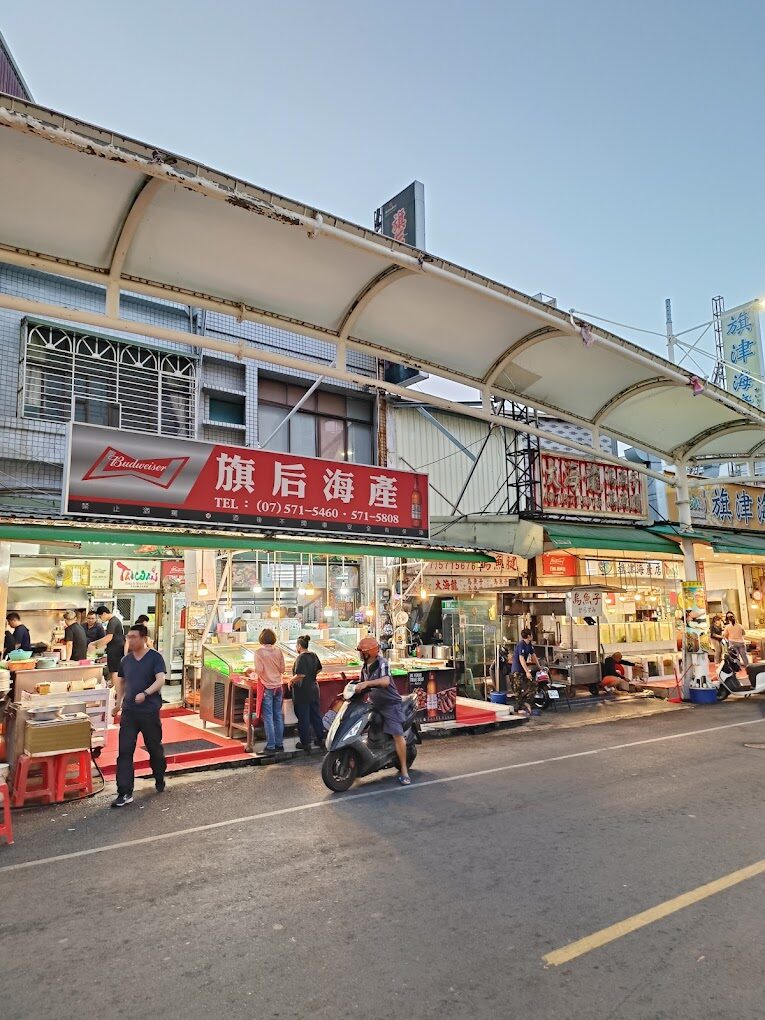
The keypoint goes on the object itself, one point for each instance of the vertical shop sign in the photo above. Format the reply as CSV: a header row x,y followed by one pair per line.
x,y
742,343
694,617
574,486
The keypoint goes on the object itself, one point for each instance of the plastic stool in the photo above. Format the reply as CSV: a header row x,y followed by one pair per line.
x,y
68,781
46,788
6,829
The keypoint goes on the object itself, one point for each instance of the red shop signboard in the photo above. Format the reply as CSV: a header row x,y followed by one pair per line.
x,y
559,565
574,486
112,473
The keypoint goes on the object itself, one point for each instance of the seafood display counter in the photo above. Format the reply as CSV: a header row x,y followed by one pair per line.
x,y
226,683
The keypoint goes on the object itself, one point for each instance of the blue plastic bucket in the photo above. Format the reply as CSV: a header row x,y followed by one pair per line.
x,y
499,697
703,695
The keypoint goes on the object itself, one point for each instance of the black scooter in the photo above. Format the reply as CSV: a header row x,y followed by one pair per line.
x,y
356,744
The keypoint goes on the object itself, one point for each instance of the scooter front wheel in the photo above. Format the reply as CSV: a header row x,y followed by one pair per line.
x,y
338,770
722,692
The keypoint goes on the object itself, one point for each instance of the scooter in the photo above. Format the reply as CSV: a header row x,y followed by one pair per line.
x,y
356,744
729,684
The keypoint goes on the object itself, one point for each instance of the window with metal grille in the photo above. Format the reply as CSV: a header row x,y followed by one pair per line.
x,y
71,376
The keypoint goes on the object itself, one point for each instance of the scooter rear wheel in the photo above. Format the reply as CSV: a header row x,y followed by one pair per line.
x,y
338,770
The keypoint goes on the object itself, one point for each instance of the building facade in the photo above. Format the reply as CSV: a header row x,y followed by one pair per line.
x,y
54,372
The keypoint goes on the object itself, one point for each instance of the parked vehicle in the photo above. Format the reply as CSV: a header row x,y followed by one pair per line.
x,y
728,682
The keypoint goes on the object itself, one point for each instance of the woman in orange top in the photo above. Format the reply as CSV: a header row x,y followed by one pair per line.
x,y
270,665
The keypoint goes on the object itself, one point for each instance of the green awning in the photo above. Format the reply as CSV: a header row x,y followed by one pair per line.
x,y
79,532
721,541
609,537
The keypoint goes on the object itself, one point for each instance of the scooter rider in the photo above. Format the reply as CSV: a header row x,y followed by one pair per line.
x,y
384,696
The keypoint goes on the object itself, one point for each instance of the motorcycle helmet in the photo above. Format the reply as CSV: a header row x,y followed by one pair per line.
x,y
369,646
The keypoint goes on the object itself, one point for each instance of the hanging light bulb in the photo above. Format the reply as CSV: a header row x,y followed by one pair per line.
x,y
369,612
202,590
310,591
423,593
328,611
275,612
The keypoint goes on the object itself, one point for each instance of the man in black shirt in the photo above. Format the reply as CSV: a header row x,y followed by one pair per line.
x,y
19,638
93,628
305,695
113,641
141,674
75,637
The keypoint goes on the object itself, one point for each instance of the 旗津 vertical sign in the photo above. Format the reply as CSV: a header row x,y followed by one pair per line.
x,y
113,473
742,343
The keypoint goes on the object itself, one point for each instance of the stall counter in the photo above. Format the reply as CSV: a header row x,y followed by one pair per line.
x,y
66,673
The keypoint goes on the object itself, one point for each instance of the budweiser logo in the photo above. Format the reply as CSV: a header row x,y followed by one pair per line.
x,y
112,463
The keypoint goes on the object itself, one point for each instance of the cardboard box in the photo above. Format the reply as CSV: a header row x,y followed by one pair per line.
x,y
57,735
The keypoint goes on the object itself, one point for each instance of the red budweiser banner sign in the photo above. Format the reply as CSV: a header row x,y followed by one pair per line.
x,y
154,478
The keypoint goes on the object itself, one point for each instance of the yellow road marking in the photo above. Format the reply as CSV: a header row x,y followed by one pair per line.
x,y
630,924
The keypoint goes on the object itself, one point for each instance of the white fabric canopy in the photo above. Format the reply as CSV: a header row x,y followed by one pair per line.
x,y
82,201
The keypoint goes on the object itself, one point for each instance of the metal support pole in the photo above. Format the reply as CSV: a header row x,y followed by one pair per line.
x,y
670,331
693,664
308,393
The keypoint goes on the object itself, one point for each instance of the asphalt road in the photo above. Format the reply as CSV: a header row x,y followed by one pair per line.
x,y
437,900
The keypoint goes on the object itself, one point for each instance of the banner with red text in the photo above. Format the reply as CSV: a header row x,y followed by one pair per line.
x,y
112,473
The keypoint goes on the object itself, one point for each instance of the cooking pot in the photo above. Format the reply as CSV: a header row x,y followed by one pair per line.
x,y
440,652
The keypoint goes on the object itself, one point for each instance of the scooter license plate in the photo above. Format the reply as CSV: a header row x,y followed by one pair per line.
x,y
553,694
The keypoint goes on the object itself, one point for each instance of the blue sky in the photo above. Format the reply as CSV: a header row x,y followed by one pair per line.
x,y
607,152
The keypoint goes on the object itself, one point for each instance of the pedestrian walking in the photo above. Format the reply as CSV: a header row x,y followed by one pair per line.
x,y
140,676
735,635
305,695
113,641
144,619
716,636
270,667
522,679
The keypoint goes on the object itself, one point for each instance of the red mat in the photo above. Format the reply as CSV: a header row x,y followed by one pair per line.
x,y
174,730
468,716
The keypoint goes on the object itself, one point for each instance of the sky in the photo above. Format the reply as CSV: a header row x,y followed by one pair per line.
x,y
607,152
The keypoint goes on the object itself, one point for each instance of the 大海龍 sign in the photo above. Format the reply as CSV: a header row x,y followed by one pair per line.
x,y
112,473
574,486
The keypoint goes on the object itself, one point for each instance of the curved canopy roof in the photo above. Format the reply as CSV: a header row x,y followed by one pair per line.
x,y
82,201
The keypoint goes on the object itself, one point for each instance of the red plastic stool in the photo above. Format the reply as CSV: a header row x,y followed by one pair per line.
x,y
70,781
46,788
6,829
